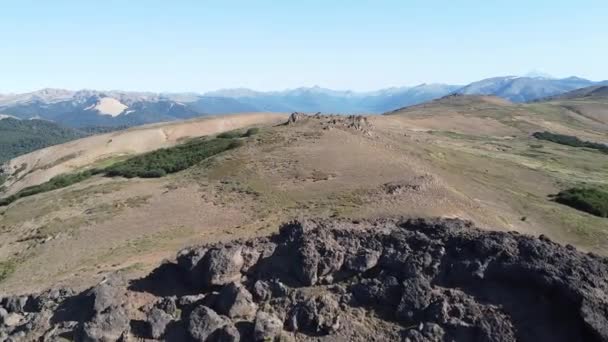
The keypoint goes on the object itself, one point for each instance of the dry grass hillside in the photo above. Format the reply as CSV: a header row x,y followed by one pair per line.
x,y
466,157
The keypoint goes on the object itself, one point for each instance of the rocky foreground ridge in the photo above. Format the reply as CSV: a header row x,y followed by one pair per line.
x,y
337,280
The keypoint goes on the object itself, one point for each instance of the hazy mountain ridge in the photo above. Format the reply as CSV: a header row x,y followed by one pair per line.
x,y
525,89
86,108
597,91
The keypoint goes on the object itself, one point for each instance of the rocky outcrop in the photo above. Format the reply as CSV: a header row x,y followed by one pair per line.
x,y
405,280
330,121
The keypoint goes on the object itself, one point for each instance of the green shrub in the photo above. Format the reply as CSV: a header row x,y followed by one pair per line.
x,y
251,132
170,160
57,182
593,201
570,141
230,135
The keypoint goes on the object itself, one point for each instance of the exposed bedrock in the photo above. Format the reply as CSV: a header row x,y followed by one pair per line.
x,y
337,280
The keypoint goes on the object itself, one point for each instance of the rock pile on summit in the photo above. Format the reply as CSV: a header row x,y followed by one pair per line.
x,y
351,122
383,280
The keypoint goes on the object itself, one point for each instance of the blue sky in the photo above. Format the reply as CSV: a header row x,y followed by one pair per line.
x,y
362,45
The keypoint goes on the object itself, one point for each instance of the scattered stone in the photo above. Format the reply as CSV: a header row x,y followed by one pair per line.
x,y
295,117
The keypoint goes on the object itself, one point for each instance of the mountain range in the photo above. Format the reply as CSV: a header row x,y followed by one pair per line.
x,y
92,108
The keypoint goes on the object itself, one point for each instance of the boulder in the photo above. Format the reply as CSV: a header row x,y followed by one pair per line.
x,y
108,326
264,290
223,266
295,117
12,319
228,333
267,327
317,256
204,324
109,321
362,261
416,297
383,291
16,303
320,315
157,322
109,293
235,301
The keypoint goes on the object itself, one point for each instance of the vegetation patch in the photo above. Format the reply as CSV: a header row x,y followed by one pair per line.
x,y
237,134
230,135
3,178
19,137
251,132
570,141
57,182
6,269
170,160
593,201
149,165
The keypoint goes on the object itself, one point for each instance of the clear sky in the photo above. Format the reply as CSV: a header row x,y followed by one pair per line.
x,y
362,45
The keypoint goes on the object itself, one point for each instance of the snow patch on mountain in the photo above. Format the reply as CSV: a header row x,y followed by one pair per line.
x,y
4,116
108,106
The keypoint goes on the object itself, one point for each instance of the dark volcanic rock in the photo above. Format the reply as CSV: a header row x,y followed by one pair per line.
x,y
157,322
315,315
235,301
408,280
205,324
267,326
223,266
109,321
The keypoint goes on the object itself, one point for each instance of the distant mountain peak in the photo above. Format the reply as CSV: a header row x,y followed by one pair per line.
x,y
538,74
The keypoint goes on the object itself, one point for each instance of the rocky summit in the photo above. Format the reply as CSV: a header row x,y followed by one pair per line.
x,y
339,280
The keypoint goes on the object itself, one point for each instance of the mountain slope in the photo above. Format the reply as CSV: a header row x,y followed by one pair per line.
x,y
19,137
600,91
524,89
91,108
590,103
